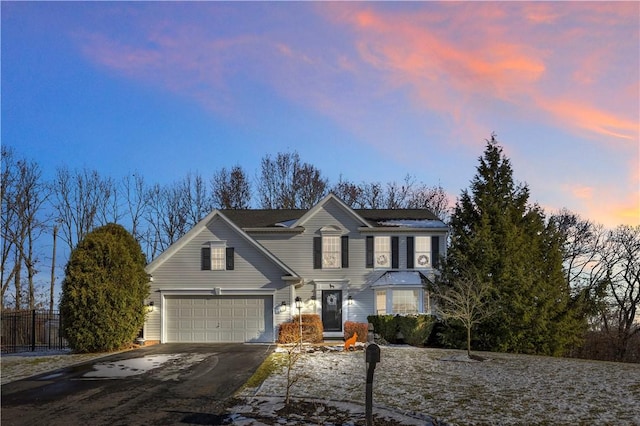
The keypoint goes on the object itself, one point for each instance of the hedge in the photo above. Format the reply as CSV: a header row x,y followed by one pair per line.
x,y
361,328
413,330
289,332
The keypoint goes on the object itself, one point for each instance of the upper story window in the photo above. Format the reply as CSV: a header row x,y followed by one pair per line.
x,y
382,252
331,250
216,256
331,253
422,253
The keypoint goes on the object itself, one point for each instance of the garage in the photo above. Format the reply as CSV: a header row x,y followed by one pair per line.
x,y
218,319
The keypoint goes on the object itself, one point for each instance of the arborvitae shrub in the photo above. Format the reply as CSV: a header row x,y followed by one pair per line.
x,y
385,326
103,291
415,329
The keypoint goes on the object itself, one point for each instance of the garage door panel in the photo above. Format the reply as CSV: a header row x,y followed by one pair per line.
x,y
196,319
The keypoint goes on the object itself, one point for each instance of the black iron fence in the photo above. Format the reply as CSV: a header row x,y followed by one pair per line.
x,y
32,330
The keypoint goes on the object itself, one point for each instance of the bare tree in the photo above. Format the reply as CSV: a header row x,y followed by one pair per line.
x,y
432,198
309,186
348,192
168,216
464,300
82,200
23,197
373,196
231,189
621,257
10,263
398,195
135,202
286,183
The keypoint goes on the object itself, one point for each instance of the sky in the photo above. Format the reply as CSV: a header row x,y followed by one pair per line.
x,y
370,91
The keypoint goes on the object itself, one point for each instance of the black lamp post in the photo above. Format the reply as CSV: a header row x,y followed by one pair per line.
x,y
299,306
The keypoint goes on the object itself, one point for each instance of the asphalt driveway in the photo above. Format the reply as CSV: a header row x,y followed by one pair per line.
x,y
162,384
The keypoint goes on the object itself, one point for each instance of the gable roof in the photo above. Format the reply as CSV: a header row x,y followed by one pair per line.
x,y
330,197
291,219
199,227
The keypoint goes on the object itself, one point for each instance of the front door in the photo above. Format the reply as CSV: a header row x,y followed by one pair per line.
x,y
332,310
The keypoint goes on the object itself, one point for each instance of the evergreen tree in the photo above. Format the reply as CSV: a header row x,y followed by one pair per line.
x,y
498,237
103,291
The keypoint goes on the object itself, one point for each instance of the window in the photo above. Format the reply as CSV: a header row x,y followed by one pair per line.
x,y
331,254
331,251
382,252
216,256
400,301
405,301
218,252
422,252
381,302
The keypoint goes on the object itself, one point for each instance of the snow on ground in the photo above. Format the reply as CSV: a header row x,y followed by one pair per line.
x,y
445,384
26,364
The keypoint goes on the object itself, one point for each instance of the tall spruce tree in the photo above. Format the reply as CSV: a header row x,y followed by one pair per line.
x,y
498,237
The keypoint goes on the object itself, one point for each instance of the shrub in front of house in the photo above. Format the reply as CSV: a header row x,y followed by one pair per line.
x,y
385,326
289,332
413,330
361,328
103,291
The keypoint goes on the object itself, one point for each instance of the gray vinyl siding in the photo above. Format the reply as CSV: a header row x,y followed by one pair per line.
x,y
257,272
182,271
297,252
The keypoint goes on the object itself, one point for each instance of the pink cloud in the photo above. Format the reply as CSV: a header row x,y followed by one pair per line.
x,y
502,57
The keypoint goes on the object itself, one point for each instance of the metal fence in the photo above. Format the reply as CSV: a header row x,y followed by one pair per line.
x,y
32,330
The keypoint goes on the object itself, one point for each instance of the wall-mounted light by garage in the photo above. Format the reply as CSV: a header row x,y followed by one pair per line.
x,y
150,306
350,300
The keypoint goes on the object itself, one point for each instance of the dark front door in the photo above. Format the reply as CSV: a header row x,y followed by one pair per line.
x,y
332,310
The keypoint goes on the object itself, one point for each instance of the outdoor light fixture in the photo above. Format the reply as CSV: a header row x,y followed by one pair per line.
x,y
350,300
150,307
284,305
299,306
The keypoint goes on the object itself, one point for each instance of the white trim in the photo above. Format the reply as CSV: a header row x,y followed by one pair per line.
x,y
321,204
218,291
341,285
212,292
175,247
388,289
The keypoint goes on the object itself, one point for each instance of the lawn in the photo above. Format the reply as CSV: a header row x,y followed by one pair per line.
x,y
504,389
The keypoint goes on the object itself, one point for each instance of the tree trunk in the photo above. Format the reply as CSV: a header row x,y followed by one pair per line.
x,y
53,269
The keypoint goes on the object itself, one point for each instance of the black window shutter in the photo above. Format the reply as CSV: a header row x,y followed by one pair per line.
x,y
230,260
344,240
317,252
410,254
369,252
205,259
435,251
395,245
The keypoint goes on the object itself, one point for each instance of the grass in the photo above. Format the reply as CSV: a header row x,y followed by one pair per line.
x,y
273,364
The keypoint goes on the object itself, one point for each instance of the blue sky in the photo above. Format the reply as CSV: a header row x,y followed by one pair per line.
x,y
369,91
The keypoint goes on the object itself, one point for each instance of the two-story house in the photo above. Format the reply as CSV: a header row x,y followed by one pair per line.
x,y
236,275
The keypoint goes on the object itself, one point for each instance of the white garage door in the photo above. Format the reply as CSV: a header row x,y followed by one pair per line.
x,y
218,319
